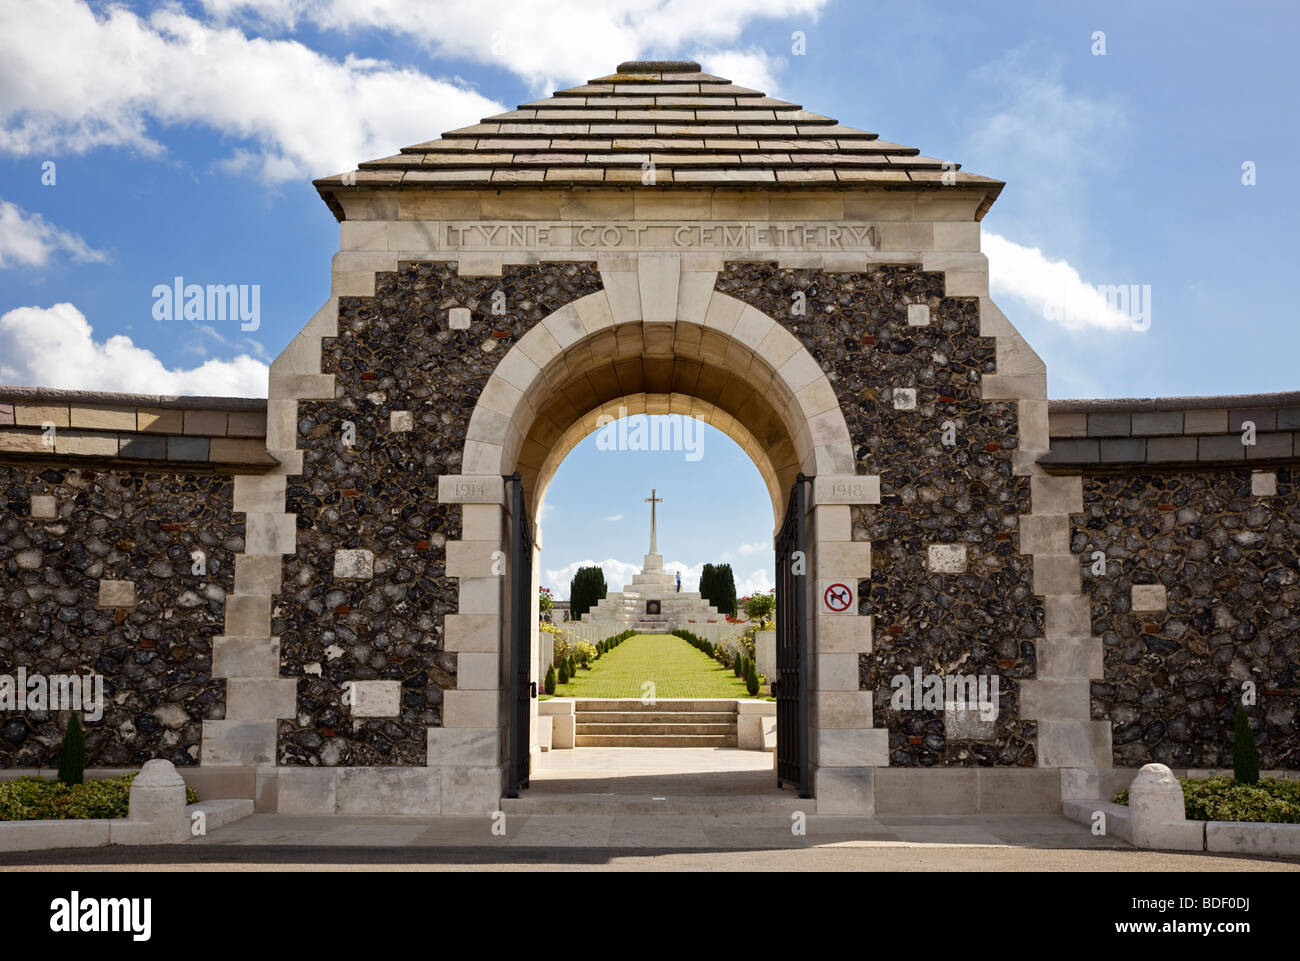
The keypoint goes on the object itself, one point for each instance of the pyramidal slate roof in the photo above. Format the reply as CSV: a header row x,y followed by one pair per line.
x,y
697,130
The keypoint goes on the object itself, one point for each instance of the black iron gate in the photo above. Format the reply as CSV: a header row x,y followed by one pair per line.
x,y
520,570
792,665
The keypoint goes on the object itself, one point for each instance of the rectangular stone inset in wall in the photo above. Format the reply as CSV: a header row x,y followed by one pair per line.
x,y
1149,597
354,564
947,558
376,698
116,594
964,722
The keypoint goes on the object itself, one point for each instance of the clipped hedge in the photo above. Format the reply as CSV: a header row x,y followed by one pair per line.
x,y
46,799
1273,800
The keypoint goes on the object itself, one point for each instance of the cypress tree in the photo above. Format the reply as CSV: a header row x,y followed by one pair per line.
x,y
1245,755
72,756
549,684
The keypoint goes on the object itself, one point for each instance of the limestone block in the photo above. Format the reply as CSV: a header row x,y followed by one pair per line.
x,y
471,489
541,732
1238,837
471,709
904,398
462,747
845,791
258,573
354,564
749,732
847,489
259,493
392,791
1044,534
374,698
844,635
563,730
480,633
238,742
307,791
248,615
478,671
658,279
1057,574
918,315
116,594
401,420
245,657
1149,598
259,699
1074,743
850,747
837,672
947,558
44,506
1262,484
458,318
471,790
272,533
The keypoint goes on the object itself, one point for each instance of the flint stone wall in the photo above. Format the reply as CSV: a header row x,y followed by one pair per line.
x,y
1229,563
985,621
396,351
156,658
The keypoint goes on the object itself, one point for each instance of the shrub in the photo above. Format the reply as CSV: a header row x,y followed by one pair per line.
x,y
759,607
573,666
586,590
751,679
39,798
72,756
564,672
1274,800
549,684
738,665
1245,755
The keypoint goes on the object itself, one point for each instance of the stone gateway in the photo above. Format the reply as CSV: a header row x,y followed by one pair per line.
x,y
1121,573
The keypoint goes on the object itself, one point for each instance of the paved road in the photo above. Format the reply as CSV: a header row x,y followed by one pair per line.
x,y
645,843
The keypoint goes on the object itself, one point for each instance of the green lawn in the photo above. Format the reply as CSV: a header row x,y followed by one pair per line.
x,y
676,668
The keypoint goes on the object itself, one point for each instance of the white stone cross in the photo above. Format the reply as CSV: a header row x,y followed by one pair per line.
x,y
652,501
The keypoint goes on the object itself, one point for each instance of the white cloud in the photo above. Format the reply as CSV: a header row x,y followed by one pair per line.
x,y
1052,289
614,517
72,80
1051,143
744,550
751,68
756,582
550,42
28,240
617,573
56,347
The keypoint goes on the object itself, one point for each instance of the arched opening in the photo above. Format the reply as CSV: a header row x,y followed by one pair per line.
x,y
734,368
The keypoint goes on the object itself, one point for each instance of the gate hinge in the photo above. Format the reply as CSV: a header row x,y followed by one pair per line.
x,y
532,689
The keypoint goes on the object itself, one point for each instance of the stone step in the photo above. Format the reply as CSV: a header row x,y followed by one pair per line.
x,y
674,705
651,728
657,717
779,805
656,740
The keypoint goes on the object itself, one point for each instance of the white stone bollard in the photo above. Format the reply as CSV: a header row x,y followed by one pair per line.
x,y
158,798
1157,815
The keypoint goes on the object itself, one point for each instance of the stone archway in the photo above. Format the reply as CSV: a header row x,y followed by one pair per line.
x,y
658,338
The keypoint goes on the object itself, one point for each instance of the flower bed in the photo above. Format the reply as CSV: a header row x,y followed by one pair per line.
x,y
45,799
1271,801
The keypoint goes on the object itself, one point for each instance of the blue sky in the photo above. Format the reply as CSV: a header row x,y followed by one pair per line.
x,y
184,137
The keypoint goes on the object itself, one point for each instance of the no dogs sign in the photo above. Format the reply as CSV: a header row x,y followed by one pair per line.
x,y
837,597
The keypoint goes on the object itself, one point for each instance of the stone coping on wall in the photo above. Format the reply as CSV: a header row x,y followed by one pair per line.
x,y
1174,432
41,424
